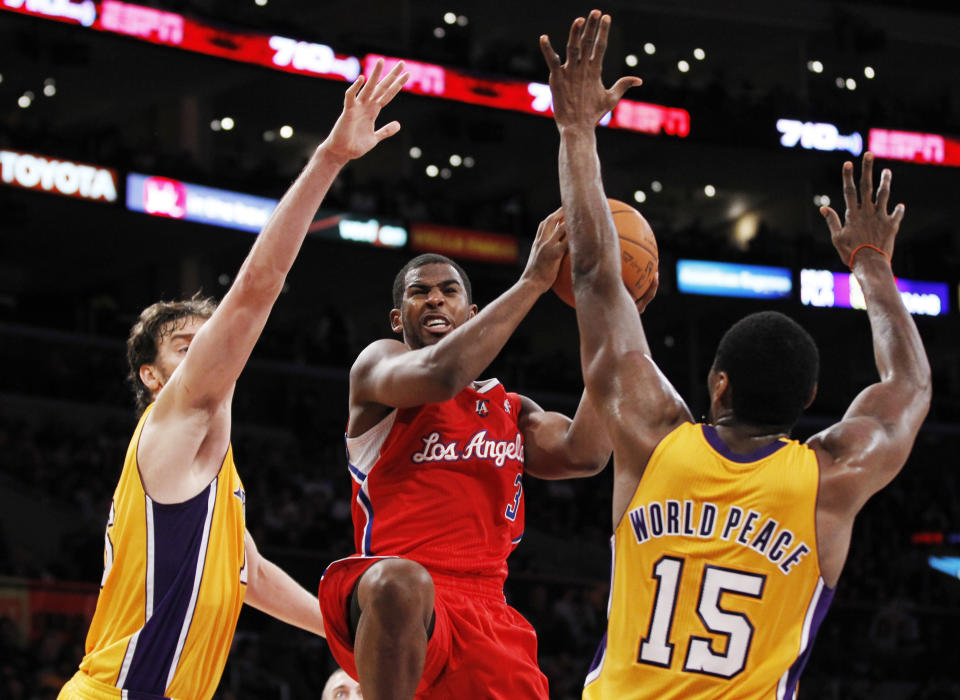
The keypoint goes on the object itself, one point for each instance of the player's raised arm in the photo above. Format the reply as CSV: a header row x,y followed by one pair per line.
x,y
871,444
637,399
558,447
220,349
426,369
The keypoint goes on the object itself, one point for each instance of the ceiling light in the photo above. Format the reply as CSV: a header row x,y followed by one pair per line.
x,y
260,3
851,84
446,173
286,131
439,32
640,196
710,190
869,72
469,162
683,66
631,60
699,54
462,20
815,66
450,17
455,160
649,49
656,186
215,125
226,123
432,170
415,152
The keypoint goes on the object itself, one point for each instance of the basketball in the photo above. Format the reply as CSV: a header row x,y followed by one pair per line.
x,y
638,253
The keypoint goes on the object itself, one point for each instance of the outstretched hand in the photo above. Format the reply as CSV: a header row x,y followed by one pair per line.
x,y
579,98
549,247
355,134
866,222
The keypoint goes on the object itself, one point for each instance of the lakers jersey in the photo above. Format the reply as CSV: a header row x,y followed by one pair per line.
x,y
716,588
173,583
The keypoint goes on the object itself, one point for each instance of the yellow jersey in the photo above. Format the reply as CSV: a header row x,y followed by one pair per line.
x,y
716,589
173,584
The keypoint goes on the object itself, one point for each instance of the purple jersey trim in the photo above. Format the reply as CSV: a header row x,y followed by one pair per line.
x,y
717,443
819,613
179,533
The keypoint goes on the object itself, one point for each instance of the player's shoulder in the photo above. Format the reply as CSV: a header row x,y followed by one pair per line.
x,y
375,352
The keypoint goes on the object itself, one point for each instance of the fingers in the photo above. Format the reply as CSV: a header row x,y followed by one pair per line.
x,y
866,179
549,55
621,86
574,41
849,189
833,221
391,90
883,192
897,216
374,77
590,32
390,85
387,130
600,48
643,301
352,91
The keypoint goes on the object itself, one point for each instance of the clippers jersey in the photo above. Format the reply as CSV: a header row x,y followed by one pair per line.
x,y
173,584
441,484
716,589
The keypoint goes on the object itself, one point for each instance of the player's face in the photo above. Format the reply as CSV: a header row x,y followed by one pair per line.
x,y
175,340
342,687
434,304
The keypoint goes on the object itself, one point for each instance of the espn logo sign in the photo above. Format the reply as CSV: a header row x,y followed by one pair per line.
x,y
62,177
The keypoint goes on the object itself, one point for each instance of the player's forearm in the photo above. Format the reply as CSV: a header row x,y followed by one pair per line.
x,y
593,247
587,446
465,353
898,350
263,272
272,591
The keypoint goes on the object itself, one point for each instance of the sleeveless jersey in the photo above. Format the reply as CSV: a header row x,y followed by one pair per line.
x,y
441,483
716,589
173,584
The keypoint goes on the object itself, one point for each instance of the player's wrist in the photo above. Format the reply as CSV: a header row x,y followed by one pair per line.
x,y
331,155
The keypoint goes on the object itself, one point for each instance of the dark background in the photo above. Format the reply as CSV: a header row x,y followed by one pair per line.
x,y
74,275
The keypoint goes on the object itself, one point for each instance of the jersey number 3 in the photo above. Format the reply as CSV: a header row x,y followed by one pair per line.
x,y
656,648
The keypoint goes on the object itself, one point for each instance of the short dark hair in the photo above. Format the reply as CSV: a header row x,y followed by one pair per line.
x,y
420,261
772,363
156,321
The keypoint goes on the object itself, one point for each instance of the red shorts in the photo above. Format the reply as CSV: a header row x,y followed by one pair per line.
x,y
480,646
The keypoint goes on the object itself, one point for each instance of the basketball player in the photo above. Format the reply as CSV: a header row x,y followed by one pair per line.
x,y
178,559
340,686
728,537
437,460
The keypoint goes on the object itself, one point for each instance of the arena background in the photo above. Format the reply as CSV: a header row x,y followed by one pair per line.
x,y
197,93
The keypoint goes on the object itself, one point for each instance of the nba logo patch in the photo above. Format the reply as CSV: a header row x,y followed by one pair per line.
x,y
482,409
506,405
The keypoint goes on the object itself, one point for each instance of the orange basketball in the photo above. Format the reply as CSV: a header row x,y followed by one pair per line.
x,y
638,253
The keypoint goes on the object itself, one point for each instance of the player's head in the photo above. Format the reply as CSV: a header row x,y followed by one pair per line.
x,y
159,340
764,372
431,297
340,686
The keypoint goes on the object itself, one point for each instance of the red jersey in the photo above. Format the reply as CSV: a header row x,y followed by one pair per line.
x,y
441,484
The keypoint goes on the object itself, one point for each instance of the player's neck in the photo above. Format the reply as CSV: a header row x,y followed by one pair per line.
x,y
743,438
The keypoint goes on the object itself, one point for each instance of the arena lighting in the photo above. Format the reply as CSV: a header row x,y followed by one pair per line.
x,y
948,565
286,131
640,196
815,66
733,280
820,136
699,54
415,152
161,196
827,289
914,147
439,32
649,48
656,186
683,66
869,72
63,177
319,60
710,190
49,87
631,60
450,17
456,160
